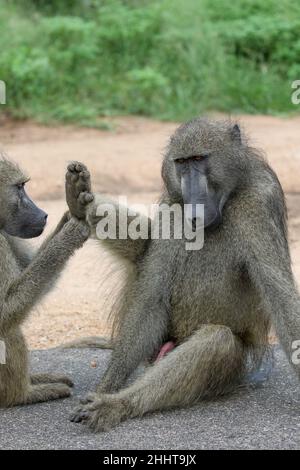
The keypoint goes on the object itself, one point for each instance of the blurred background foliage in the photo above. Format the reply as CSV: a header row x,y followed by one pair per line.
x,y
73,61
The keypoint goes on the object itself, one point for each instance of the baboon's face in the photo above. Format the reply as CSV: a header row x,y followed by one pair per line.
x,y
201,168
19,216
192,173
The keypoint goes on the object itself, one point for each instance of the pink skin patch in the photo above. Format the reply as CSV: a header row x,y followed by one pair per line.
x,y
164,350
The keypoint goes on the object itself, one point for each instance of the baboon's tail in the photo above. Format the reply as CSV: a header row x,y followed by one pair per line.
x,y
90,342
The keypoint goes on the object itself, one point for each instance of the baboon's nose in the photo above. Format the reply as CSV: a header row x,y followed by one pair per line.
x,y
44,218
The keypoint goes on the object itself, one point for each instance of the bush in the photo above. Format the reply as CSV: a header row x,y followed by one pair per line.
x,y
170,59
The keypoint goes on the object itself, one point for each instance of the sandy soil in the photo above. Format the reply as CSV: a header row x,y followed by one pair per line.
x,y
125,161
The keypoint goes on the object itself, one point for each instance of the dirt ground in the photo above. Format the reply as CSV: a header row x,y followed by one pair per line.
x,y
125,161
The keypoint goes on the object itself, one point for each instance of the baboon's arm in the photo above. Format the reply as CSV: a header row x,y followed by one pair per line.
x,y
25,252
261,243
280,298
65,218
265,250
126,248
19,296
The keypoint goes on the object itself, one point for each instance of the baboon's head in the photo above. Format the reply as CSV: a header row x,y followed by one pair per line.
x,y
19,216
204,164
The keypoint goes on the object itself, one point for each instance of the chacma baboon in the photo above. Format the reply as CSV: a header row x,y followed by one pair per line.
x,y
25,278
215,304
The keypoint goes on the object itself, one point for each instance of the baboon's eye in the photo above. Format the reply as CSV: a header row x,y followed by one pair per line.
x,y
198,158
180,160
20,185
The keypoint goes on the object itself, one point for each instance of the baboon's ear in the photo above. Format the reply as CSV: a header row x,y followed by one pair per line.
x,y
235,133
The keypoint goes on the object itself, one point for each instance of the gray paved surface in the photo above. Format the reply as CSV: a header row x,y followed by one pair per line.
x,y
264,418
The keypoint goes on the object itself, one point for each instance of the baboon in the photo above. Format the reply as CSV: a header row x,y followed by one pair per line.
x,y
25,278
211,307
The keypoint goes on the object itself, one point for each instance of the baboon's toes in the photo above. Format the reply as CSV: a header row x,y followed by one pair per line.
x,y
66,380
101,413
60,390
89,398
79,415
105,415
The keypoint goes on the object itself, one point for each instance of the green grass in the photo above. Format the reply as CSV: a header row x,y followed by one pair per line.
x,y
74,61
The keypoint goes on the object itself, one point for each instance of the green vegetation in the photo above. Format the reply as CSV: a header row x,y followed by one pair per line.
x,y
73,61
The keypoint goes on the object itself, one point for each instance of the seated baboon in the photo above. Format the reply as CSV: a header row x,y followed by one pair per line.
x,y
25,278
204,314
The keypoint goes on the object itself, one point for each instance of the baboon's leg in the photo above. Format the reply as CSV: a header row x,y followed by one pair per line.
x,y
209,361
25,290
90,342
50,378
143,331
45,392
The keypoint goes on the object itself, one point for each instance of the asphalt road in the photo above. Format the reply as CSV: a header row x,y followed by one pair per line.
x,y
264,418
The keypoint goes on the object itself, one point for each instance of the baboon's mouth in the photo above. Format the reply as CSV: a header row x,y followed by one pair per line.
x,y
32,231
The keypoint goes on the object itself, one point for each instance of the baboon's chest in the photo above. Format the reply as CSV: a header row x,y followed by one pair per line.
x,y
10,269
207,288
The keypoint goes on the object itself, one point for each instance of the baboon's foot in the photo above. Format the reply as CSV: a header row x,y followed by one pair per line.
x,y
78,189
102,412
46,392
51,378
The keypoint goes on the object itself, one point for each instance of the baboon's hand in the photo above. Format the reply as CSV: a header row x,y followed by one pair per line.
x,y
75,232
78,189
91,215
102,412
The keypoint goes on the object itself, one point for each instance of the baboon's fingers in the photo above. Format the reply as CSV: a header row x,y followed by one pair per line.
x,y
84,183
82,186
71,166
89,197
85,198
74,178
85,174
79,226
68,176
80,167
76,167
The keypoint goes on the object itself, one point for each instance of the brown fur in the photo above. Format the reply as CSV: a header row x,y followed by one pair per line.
x,y
216,303
25,278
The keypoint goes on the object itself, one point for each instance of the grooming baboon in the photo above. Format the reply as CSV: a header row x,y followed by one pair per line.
x,y
25,278
215,304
